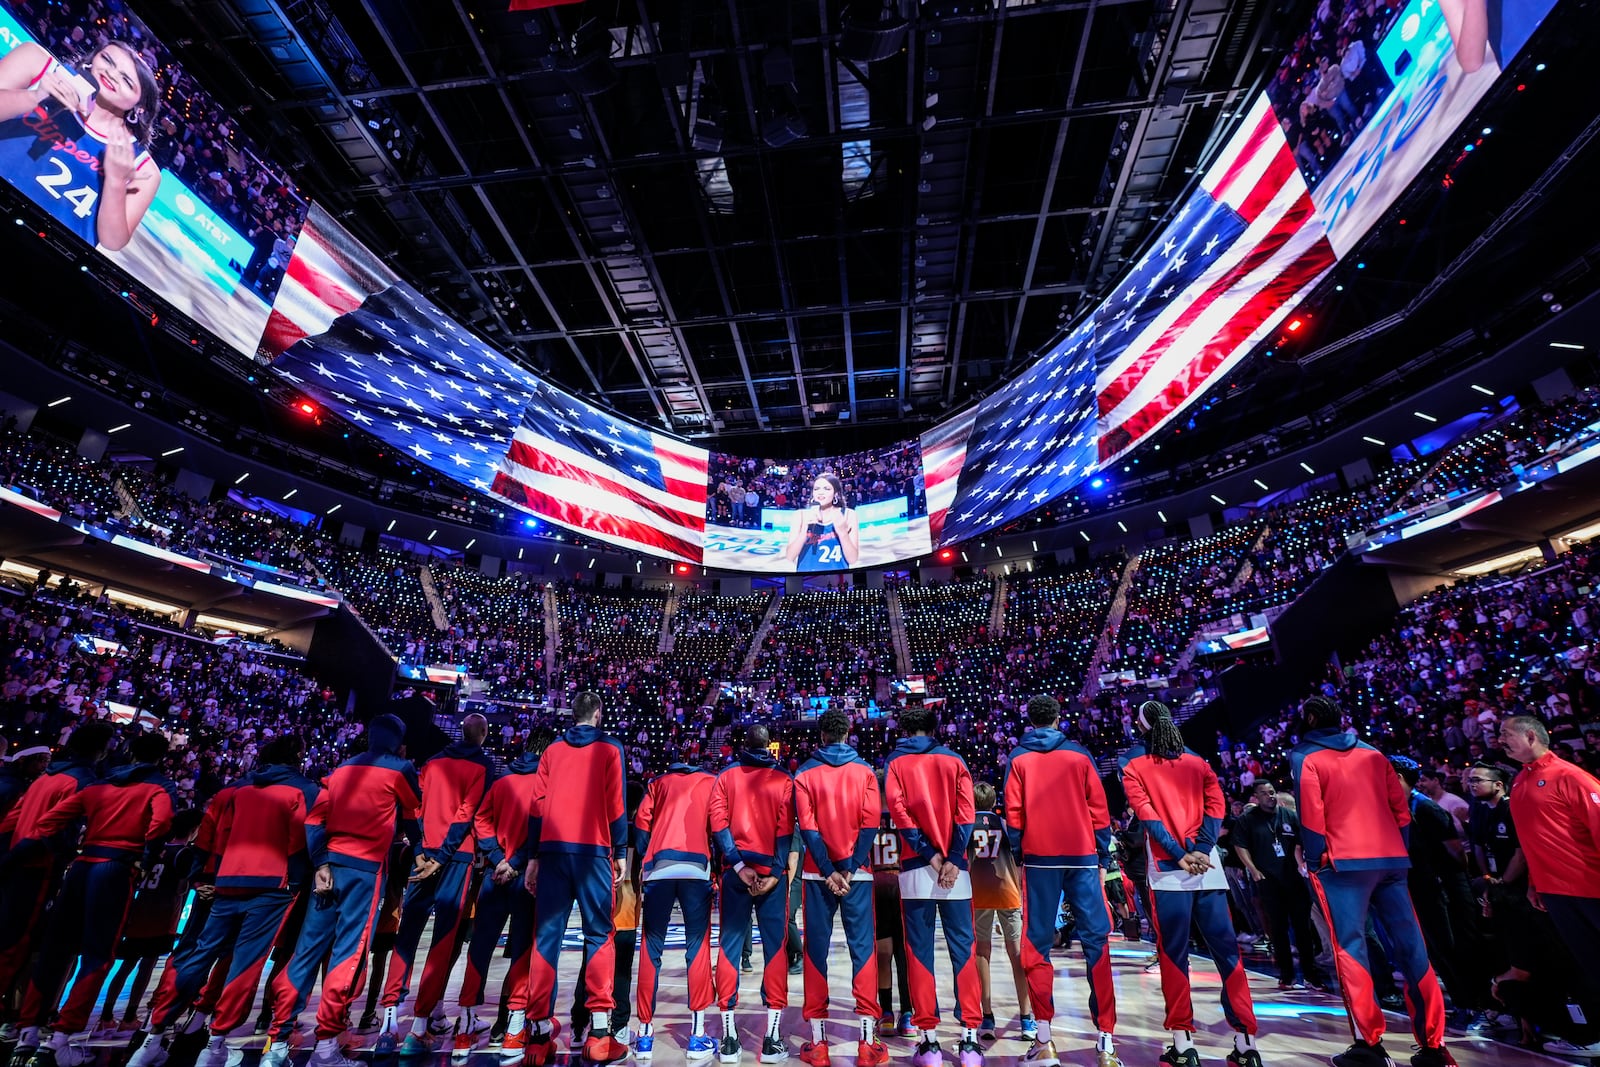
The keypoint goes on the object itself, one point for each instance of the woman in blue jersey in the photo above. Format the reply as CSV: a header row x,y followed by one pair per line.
x,y
825,537
76,143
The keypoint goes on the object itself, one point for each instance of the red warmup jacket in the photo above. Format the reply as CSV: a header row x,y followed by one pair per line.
x,y
929,791
64,778
580,796
836,800
454,783
671,831
501,824
207,850
260,836
125,814
1556,808
353,821
1178,802
1354,809
1056,811
752,813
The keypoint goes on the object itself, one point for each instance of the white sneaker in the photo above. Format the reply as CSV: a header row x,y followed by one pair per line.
x,y
439,1022
69,1053
276,1054
8,1033
28,1037
333,1057
152,1052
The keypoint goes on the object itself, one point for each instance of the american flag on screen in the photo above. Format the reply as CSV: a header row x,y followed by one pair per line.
x,y
1020,448
579,465
1241,252
376,352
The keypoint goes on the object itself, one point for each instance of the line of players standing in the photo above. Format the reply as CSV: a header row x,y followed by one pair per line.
x,y
557,827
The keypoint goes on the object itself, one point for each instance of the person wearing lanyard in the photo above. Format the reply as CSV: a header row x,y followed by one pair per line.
x,y
1265,845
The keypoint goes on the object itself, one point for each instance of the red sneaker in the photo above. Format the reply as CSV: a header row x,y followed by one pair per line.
x,y
815,1054
871,1054
604,1049
512,1045
538,1049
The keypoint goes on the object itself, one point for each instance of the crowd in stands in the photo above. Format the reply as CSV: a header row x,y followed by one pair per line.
x,y
740,487
1332,81
828,643
191,136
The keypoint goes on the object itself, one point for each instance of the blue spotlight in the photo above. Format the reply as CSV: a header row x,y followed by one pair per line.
x,y
1097,483
531,523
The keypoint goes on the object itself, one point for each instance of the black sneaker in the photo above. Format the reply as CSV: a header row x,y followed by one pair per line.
x,y
1189,1057
796,966
1392,1002
264,1022
368,1023
502,1023
1248,1058
773,1050
1433,1057
1362,1054
729,1050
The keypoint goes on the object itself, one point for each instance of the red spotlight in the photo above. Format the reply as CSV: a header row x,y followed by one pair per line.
x,y
946,555
1294,325
682,568
306,407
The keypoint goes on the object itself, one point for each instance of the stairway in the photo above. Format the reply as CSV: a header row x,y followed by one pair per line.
x,y
552,637
997,610
670,611
430,592
748,667
1108,633
897,632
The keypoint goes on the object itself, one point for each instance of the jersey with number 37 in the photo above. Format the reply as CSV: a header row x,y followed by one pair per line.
x,y
56,159
995,882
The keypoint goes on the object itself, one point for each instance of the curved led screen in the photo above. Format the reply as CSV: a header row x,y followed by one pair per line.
x,y
105,131
1348,123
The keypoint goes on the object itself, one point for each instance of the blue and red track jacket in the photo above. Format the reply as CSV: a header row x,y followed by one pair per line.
x,y
353,821
1354,809
454,783
836,799
261,835
929,791
671,830
1056,809
126,814
1556,807
752,813
62,779
1178,802
12,786
207,851
501,824
580,796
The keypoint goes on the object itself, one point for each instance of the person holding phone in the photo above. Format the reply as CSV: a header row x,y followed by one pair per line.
x,y
825,537
78,143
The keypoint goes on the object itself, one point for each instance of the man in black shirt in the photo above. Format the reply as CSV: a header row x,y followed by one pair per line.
x,y
1264,840
1504,885
1441,894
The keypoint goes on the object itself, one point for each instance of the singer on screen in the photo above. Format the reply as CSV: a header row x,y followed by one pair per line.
x,y
78,143
825,537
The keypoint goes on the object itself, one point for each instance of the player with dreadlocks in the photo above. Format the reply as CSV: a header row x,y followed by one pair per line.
x,y
1176,797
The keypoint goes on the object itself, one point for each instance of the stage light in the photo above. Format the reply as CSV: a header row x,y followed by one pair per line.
x,y
946,555
530,523
172,451
1162,515
470,544
391,525
682,568
1424,416
58,403
591,563
432,534
1361,266
1122,526
1083,535
557,559
1219,500
306,407
1294,325
1481,389
1566,344
291,493
1373,440
1097,483
241,477
1261,485
1306,467
331,510
119,429
1539,67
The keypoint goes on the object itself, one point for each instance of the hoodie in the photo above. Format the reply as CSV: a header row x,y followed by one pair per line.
x,y
929,792
580,796
501,824
671,830
1178,803
1056,811
59,781
126,814
1354,809
752,813
836,801
260,838
454,783
352,823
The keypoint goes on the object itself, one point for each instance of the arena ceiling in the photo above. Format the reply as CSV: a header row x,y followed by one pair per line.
x,y
725,216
